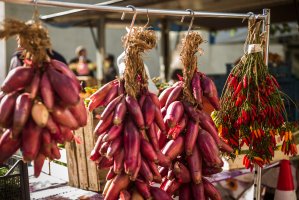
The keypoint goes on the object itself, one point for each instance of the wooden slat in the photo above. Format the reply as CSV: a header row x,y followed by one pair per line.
x,y
89,143
70,148
81,160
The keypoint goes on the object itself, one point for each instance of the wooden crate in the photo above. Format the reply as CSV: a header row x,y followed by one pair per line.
x,y
83,172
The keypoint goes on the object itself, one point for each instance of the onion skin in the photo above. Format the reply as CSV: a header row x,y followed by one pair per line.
x,y
124,195
174,132
60,66
196,88
118,164
55,151
151,133
79,112
195,165
148,109
147,151
225,147
185,192
174,113
172,186
47,93
181,172
17,78
174,95
99,96
95,155
110,96
8,145
64,117
154,169
159,119
191,136
111,106
119,183
21,113
164,96
38,164
113,133
131,146
63,86
104,124
174,148
46,143
120,112
210,190
51,125
34,85
143,189
158,194
210,91
198,191
136,173
40,114
209,149
145,171
7,106
114,146
105,163
110,175
135,111
31,141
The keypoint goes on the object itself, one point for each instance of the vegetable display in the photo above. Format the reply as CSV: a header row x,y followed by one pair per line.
x,y
127,141
41,104
191,142
252,107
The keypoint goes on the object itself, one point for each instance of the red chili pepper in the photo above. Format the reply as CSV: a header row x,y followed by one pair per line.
x,y
238,90
275,82
271,151
245,82
259,163
239,101
244,159
233,82
233,142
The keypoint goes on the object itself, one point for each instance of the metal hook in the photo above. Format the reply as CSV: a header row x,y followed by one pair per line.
x,y
148,19
191,23
124,13
134,16
250,14
36,12
132,22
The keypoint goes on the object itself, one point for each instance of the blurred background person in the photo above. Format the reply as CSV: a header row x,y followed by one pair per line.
x,y
81,65
109,69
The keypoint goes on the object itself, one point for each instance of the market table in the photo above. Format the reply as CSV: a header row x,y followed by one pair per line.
x,y
49,187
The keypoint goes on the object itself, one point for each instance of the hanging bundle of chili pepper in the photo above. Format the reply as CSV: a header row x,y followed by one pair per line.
x,y
252,108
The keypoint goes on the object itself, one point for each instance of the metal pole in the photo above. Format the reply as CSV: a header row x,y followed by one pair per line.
x,y
266,28
258,169
101,51
129,10
165,49
257,182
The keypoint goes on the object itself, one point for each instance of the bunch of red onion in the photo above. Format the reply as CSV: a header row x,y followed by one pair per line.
x,y
40,107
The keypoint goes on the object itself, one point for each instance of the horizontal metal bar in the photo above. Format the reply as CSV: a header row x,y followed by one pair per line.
x,y
138,10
